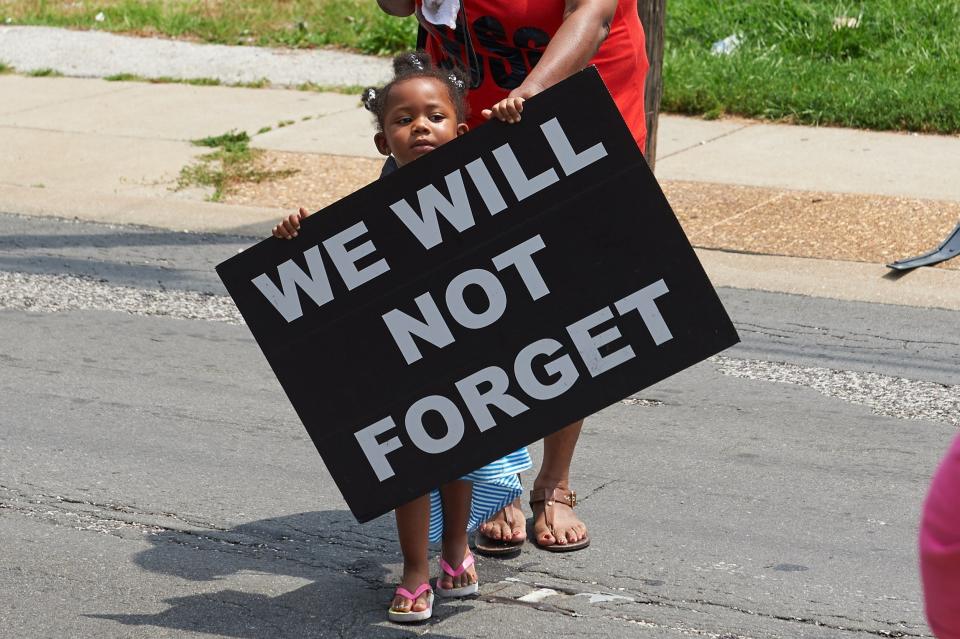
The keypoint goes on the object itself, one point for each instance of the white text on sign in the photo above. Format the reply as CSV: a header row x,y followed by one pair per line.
x,y
587,344
423,225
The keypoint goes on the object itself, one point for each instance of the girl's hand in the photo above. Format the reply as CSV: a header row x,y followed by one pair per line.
x,y
506,110
289,226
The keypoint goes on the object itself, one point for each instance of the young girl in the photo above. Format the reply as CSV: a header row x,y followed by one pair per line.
x,y
420,109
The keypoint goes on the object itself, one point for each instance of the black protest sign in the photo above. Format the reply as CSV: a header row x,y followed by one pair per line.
x,y
493,291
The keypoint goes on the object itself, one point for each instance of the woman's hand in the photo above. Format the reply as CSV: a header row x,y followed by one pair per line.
x,y
289,226
506,110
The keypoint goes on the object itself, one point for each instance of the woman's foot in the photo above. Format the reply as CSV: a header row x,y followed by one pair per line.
x,y
566,530
508,525
413,577
456,554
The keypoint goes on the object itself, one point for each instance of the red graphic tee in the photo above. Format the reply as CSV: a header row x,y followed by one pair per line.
x,y
507,38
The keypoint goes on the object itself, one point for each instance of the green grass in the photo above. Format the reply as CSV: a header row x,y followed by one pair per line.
x,y
6,68
232,162
354,24
44,73
351,89
124,77
207,82
899,69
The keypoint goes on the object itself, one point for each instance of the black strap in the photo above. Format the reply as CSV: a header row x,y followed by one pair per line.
x,y
421,38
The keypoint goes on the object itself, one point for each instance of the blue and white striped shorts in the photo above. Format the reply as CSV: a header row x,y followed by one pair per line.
x,y
494,486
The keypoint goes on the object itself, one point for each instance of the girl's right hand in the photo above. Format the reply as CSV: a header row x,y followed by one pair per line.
x,y
289,226
506,110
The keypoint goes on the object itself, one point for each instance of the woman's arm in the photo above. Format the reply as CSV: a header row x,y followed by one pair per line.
x,y
399,8
586,24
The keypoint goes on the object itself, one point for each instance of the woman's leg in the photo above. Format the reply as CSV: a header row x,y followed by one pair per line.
x,y
554,472
456,498
413,527
558,450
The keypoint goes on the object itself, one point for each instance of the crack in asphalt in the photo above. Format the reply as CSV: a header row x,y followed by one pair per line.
x,y
203,541
648,599
258,546
875,336
45,499
846,337
810,621
598,489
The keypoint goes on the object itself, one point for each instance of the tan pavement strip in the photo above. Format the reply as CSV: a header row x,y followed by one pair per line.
x,y
807,224
320,181
833,226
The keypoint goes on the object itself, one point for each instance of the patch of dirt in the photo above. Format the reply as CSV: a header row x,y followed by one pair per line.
x,y
320,181
838,226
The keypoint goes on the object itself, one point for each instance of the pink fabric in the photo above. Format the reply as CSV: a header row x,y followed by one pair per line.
x,y
940,547
412,596
447,568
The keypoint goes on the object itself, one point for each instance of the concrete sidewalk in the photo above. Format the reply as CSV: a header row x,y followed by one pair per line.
x,y
112,151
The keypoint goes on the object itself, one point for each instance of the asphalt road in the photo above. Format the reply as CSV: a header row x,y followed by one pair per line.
x,y
154,481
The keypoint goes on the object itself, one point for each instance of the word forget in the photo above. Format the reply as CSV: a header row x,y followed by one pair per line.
x,y
561,369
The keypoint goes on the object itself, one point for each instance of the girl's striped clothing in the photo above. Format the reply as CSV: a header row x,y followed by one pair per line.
x,y
494,486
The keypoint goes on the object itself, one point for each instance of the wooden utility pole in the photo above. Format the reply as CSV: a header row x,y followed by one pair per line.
x,y
652,16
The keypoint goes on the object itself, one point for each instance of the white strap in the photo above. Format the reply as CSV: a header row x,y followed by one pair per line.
x,y
441,12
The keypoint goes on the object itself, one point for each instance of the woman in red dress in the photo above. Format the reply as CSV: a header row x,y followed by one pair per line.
x,y
512,50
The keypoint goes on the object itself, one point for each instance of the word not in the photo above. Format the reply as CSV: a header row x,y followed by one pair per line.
x,y
434,329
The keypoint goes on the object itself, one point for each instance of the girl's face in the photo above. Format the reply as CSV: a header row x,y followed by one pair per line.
x,y
419,116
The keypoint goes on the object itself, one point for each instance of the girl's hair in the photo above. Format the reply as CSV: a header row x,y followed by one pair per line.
x,y
416,64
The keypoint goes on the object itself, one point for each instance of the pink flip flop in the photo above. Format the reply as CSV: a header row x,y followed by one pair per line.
x,y
462,591
398,616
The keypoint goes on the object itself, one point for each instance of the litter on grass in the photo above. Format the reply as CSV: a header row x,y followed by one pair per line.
x,y
846,22
726,46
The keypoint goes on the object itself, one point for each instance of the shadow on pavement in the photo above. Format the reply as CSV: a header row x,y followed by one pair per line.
x,y
348,567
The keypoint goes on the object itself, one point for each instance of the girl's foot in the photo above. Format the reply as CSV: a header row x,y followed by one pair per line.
x,y
457,555
413,577
509,525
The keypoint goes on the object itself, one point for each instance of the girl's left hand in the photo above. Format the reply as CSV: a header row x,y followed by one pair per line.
x,y
506,110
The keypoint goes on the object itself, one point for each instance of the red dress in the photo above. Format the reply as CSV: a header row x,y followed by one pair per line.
x,y
508,37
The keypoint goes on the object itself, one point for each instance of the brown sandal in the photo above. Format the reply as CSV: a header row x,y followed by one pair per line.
x,y
549,496
490,547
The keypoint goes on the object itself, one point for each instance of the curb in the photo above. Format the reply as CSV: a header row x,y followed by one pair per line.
x,y
830,279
